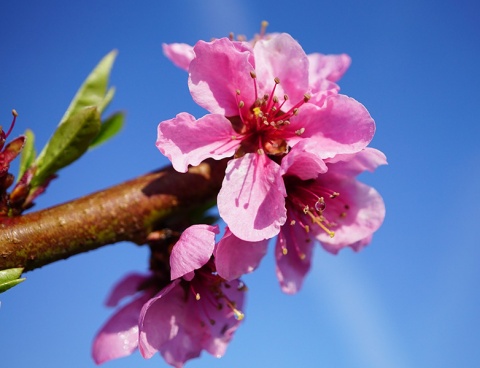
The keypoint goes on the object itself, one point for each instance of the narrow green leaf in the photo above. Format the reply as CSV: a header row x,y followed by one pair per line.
x,y
107,99
93,90
9,278
9,284
71,139
109,128
10,274
28,153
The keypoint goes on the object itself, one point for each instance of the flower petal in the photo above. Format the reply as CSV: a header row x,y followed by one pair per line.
x,y
216,336
364,216
293,253
252,198
192,250
353,164
119,336
159,319
186,141
342,126
330,67
129,285
235,257
282,57
180,54
219,69
302,162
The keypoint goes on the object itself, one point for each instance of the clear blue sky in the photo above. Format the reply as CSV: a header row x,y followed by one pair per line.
x,y
410,299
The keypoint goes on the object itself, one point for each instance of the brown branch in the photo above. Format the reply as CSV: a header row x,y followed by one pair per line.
x,y
126,212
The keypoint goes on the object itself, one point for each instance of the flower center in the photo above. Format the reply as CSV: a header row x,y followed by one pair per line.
x,y
314,202
263,123
214,293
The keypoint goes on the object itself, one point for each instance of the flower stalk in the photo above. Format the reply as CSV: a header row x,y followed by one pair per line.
x,y
126,212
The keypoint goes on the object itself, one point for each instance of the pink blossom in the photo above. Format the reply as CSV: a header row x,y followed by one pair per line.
x,y
239,85
179,319
325,203
332,207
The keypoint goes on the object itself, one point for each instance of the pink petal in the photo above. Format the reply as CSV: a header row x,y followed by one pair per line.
x,y
119,336
129,285
219,69
192,250
160,318
216,336
186,141
282,57
252,198
364,216
302,162
353,164
330,67
293,252
180,54
342,126
235,257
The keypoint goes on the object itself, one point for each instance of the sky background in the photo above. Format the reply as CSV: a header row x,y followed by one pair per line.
x,y
410,299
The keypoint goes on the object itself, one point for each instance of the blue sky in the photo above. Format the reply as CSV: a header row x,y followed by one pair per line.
x,y
410,299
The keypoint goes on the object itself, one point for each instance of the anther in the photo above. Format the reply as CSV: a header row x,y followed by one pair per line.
x,y
260,151
241,104
306,97
253,74
237,92
277,80
300,131
292,222
334,195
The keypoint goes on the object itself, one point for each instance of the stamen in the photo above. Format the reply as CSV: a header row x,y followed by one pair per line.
x,y
15,114
263,28
300,131
317,220
254,77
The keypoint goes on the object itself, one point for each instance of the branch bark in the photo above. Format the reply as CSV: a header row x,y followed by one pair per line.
x,y
126,212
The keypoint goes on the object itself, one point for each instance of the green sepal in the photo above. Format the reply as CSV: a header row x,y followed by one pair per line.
x,y
28,153
9,278
71,139
109,128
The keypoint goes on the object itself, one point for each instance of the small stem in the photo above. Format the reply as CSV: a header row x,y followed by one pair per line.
x,y
126,212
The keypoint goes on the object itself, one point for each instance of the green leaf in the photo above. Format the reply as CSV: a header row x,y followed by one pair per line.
x,y
28,153
71,139
9,278
93,91
109,128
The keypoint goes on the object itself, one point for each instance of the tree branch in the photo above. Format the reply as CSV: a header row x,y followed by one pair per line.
x,y
126,212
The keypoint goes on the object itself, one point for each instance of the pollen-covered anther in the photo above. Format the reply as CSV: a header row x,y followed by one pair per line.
x,y
293,222
334,195
306,210
300,131
197,296
306,97
284,251
302,256
241,104
260,151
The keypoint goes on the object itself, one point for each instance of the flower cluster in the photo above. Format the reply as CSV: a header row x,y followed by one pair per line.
x,y
198,310
295,146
